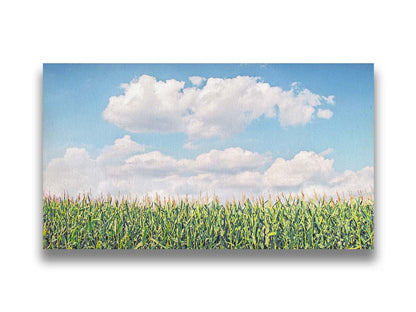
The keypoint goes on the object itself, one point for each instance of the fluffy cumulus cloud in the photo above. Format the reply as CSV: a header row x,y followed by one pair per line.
x,y
230,160
353,181
304,168
126,168
121,149
324,113
196,80
221,108
74,173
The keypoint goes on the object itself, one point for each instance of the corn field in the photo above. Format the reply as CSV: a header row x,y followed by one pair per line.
x,y
279,223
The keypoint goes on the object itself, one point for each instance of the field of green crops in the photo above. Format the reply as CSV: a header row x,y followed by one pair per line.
x,y
279,223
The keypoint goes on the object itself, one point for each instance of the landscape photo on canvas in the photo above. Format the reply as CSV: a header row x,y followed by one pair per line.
x,y
208,156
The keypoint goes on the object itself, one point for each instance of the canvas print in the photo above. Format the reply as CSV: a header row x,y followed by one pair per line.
x,y
208,156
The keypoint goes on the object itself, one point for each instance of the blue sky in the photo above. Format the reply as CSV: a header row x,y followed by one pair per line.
x,y
76,95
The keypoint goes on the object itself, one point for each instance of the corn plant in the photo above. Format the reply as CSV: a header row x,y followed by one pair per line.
x,y
290,222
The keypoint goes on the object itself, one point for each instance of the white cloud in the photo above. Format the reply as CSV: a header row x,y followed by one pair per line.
x,y
329,99
150,164
249,183
194,185
148,105
221,108
297,109
230,160
351,181
190,146
121,149
305,167
324,113
196,80
327,151
227,173
224,107
74,173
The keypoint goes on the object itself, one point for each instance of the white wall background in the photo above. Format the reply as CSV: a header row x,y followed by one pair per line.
x,y
33,32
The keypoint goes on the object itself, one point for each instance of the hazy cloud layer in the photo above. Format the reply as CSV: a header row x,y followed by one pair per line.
x,y
227,173
221,108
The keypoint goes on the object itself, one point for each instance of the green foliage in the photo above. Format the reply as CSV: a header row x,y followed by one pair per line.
x,y
285,223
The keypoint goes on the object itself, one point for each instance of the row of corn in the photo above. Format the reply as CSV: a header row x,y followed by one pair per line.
x,y
281,223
